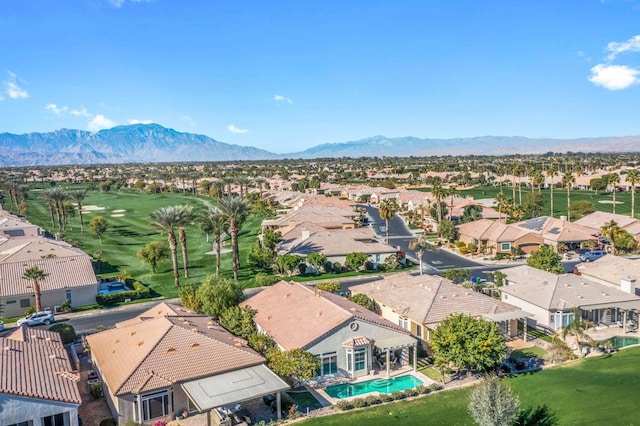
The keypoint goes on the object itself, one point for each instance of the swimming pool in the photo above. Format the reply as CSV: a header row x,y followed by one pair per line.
x,y
623,341
347,390
112,287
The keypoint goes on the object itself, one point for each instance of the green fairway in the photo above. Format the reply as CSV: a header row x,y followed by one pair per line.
x,y
585,392
131,228
602,201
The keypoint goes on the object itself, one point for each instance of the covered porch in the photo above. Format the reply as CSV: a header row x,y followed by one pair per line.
x,y
508,322
395,353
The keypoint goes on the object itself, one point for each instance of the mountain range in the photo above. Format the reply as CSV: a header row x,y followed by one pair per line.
x,y
143,143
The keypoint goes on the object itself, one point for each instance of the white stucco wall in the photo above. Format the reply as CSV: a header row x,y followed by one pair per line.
x,y
16,409
540,315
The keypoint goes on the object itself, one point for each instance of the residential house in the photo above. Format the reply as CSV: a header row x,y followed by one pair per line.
x,y
170,360
70,274
336,244
497,237
326,217
14,227
596,220
347,338
557,232
610,270
418,303
38,382
553,299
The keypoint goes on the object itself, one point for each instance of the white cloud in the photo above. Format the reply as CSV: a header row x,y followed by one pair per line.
x,y
56,109
615,48
119,3
80,112
234,129
136,121
190,121
12,89
280,98
614,77
99,122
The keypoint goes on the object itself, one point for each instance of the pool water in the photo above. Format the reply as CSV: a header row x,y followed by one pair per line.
x,y
112,287
347,390
622,341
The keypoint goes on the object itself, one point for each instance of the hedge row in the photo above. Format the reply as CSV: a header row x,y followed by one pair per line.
x,y
389,397
139,291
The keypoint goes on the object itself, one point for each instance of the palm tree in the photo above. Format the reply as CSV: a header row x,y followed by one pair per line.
x,y
552,172
187,217
610,230
451,192
213,220
35,275
78,195
614,179
236,210
47,195
577,328
167,219
633,177
388,209
438,193
567,181
420,246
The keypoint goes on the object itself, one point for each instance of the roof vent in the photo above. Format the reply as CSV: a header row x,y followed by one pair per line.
x,y
194,329
140,343
319,313
180,318
133,333
195,345
7,348
171,350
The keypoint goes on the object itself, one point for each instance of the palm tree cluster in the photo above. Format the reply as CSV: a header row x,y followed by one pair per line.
x,y
60,208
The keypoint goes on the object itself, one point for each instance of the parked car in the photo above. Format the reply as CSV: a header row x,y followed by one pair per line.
x,y
592,255
1,326
37,318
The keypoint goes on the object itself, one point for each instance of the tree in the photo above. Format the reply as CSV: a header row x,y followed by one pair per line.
x,y
388,209
270,239
236,211
471,213
534,203
213,220
186,219
598,184
216,294
633,177
355,261
538,416
238,320
35,275
362,300
287,263
552,172
189,297
98,225
420,246
167,219
261,257
458,276
614,180
467,342
317,260
567,181
438,192
329,286
610,230
447,230
295,365
153,253
493,404
581,208
577,327
78,195
546,259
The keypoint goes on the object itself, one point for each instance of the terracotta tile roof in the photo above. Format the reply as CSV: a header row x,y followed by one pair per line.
x,y
556,230
150,354
64,272
565,291
429,299
356,342
35,364
610,269
162,309
596,220
295,315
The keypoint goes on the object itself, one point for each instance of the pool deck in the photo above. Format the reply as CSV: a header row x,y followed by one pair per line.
x,y
403,371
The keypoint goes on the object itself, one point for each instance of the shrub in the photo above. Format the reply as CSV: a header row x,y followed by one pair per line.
x,y
264,280
108,422
460,244
499,256
95,390
397,395
67,333
329,286
463,249
65,306
472,247
345,405
434,387
368,265
386,397
359,403
422,390
373,400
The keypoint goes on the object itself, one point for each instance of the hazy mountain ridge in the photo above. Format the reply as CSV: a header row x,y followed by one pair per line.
x,y
142,143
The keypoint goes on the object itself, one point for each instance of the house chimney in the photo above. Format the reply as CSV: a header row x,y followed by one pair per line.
x,y
305,234
628,285
563,217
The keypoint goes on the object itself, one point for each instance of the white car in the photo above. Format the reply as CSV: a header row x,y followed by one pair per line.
x,y
37,318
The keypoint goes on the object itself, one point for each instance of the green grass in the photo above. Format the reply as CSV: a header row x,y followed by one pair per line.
x,y
127,234
559,198
532,352
588,391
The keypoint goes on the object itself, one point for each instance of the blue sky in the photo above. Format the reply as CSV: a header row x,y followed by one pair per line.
x,y
288,75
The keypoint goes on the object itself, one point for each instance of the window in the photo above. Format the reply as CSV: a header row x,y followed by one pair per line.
x,y
419,331
359,356
11,302
67,295
155,405
404,323
27,423
25,303
328,364
55,420
505,247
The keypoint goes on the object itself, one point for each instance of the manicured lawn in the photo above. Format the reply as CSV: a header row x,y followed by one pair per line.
x,y
532,352
601,200
585,392
128,233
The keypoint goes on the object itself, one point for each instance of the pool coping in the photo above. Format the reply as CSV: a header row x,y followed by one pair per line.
x,y
405,371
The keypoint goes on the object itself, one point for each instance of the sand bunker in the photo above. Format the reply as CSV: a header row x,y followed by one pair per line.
x,y
609,202
117,215
92,207
119,211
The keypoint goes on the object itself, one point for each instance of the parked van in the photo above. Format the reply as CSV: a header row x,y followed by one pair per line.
x,y
592,255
